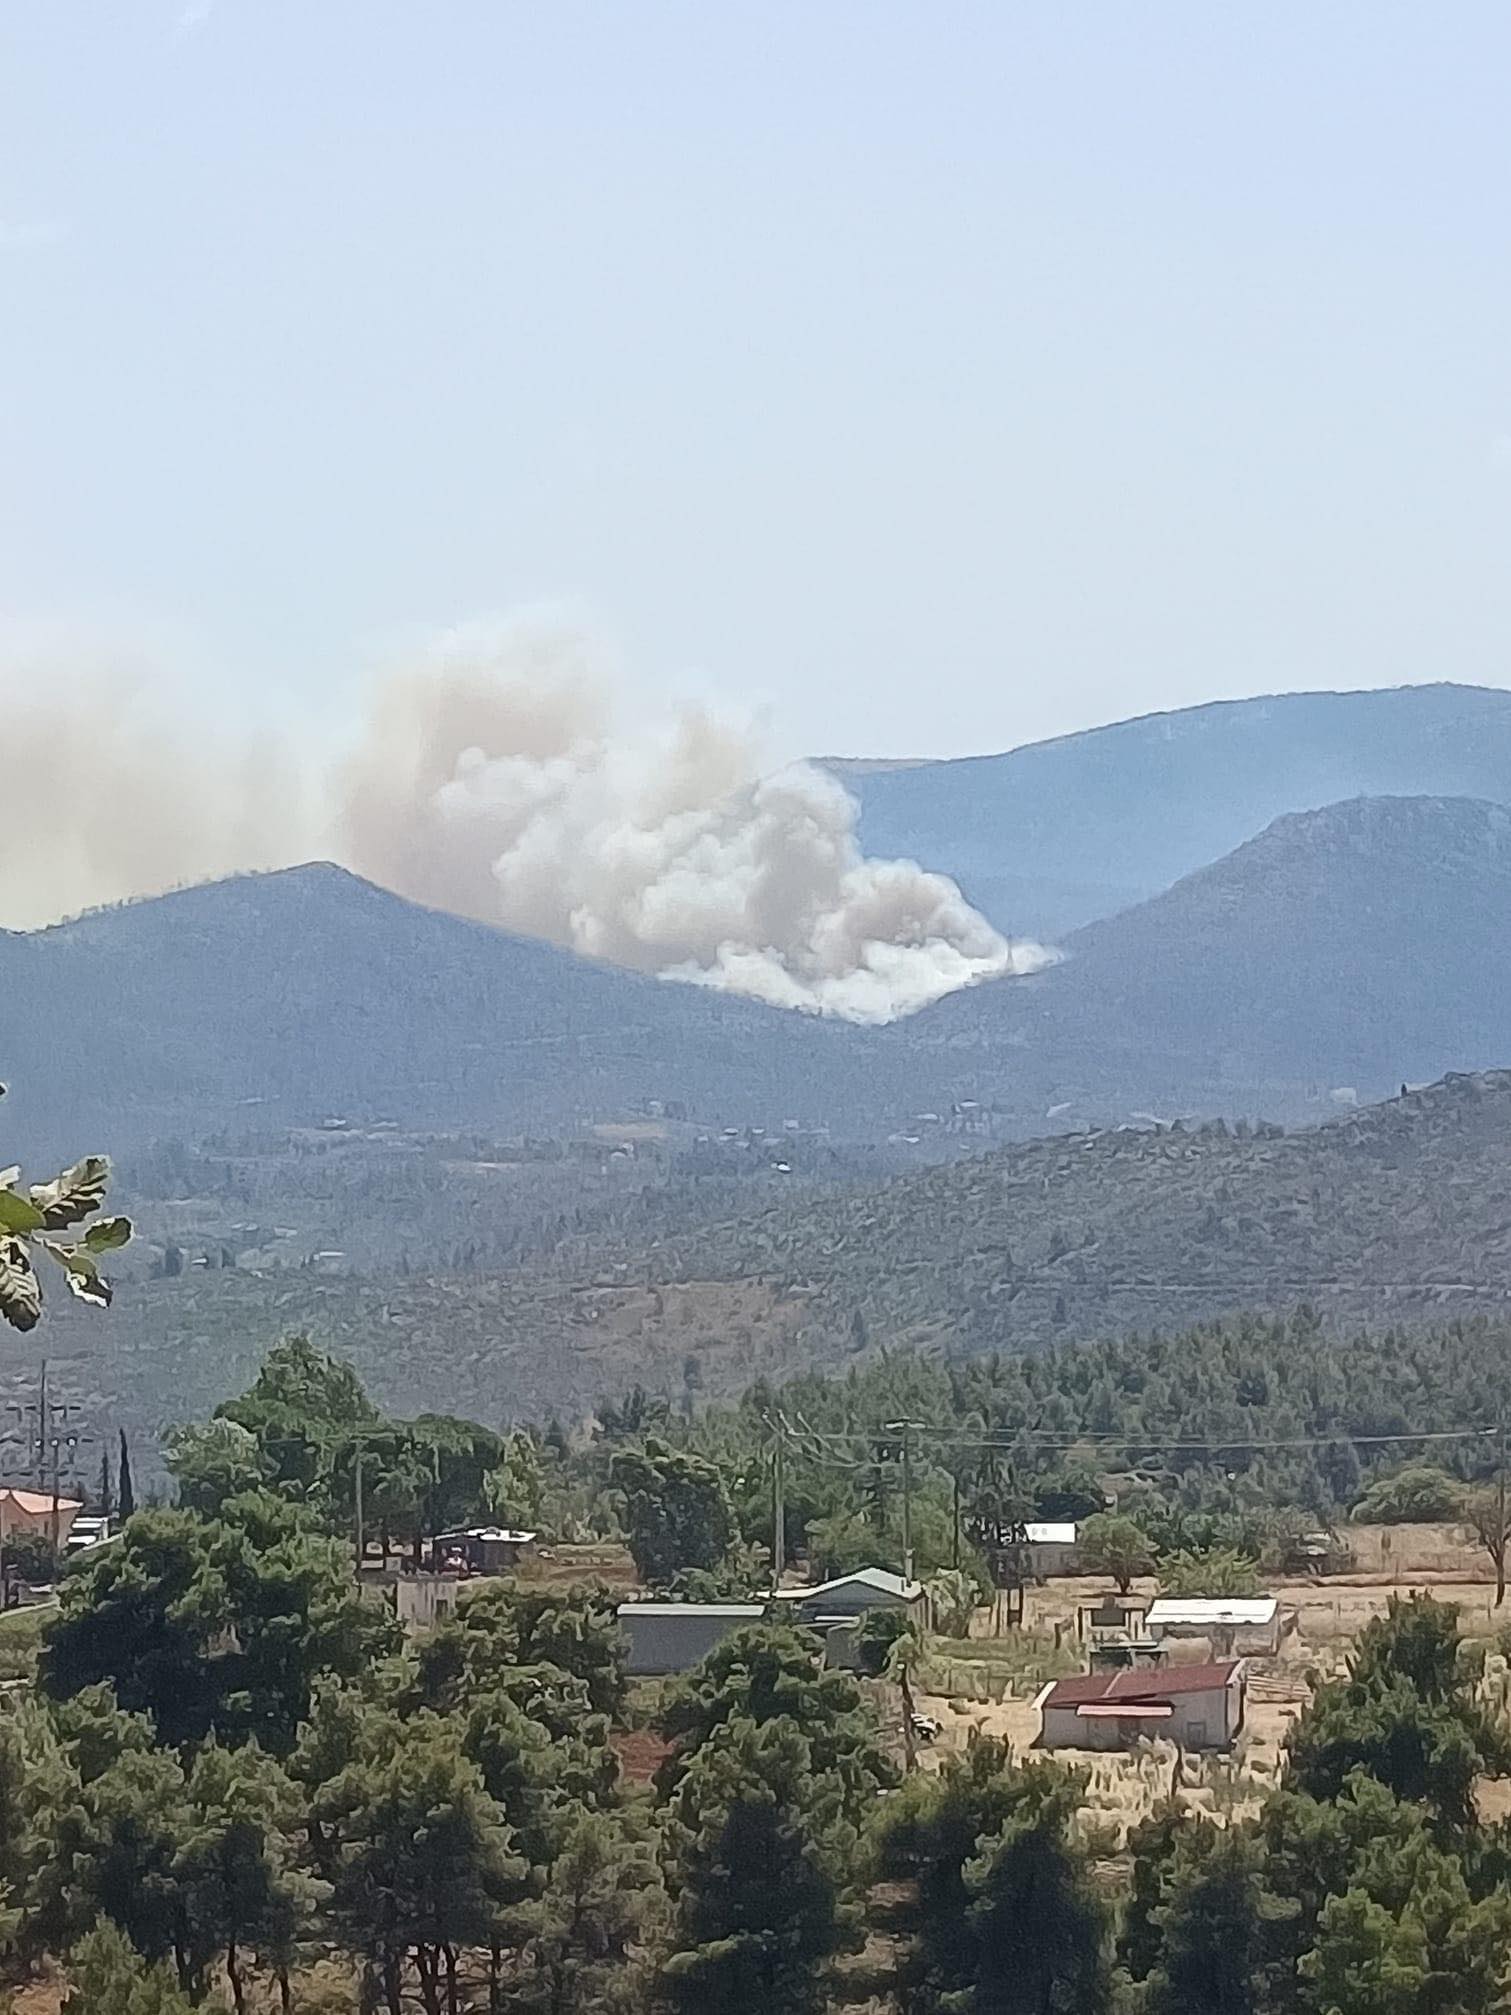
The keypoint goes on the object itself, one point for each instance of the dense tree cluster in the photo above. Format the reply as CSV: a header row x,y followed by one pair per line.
x,y
445,1824
1227,1442
235,1780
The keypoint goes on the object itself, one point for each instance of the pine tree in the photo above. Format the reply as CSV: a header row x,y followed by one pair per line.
x,y
1151,1849
245,1890
766,1672
580,1932
752,1864
1421,1945
1212,1927
932,1838
1040,1931
422,1860
108,1976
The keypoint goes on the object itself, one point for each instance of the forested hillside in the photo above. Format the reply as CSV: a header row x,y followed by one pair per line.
x,y
1398,1214
1336,955
1340,952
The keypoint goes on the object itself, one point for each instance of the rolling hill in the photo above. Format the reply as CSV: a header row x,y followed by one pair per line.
x,y
1341,952
275,1000
1056,834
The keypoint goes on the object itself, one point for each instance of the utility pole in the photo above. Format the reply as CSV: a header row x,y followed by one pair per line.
x,y
904,1428
42,1421
56,1447
955,1536
361,1537
907,1500
1500,1514
778,1501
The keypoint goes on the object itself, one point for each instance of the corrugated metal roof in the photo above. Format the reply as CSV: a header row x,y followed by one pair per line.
x,y
35,1502
880,1578
1135,1684
1252,1610
1056,1533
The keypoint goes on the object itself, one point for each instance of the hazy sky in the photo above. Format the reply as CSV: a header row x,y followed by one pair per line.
x,y
934,376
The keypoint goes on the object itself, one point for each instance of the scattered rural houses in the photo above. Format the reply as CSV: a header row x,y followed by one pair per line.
x,y
667,1637
1246,1625
1197,1706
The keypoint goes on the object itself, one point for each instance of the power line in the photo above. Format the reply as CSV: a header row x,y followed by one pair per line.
x,y
1235,1444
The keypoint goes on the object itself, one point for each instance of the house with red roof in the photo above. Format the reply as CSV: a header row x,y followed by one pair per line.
x,y
1198,1706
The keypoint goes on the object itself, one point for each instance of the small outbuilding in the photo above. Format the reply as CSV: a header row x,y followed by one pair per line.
x,y
482,1549
1250,1625
37,1511
422,1600
666,1637
1198,1706
1050,1548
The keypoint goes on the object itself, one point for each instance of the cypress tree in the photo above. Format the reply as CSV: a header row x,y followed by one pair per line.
x,y
124,1489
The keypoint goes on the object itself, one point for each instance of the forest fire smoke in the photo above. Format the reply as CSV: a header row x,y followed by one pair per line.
x,y
495,782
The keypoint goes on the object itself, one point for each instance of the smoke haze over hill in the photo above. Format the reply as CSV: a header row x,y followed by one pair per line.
x,y
495,781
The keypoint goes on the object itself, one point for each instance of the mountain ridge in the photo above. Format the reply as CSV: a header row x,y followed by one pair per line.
x,y
1032,834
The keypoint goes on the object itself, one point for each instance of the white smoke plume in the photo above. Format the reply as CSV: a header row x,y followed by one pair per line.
x,y
495,782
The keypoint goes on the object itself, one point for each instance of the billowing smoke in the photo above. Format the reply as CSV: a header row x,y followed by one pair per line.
x,y
495,782
104,795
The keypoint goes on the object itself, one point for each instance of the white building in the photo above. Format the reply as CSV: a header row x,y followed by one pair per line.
x,y
1250,1624
1198,1706
1050,1548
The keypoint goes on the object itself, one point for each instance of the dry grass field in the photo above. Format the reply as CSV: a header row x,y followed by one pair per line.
x,y
988,1685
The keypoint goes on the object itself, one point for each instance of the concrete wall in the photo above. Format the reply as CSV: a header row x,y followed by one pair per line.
x,y
1050,1557
1224,1640
421,1600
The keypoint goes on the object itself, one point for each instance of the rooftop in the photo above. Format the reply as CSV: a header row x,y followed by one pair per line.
x,y
35,1502
493,1532
1055,1533
748,1609
879,1578
1253,1610
1138,1686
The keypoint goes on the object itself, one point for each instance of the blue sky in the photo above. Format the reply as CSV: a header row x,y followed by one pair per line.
x,y
930,377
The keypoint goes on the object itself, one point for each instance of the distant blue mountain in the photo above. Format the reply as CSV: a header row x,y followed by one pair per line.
x,y
1059,833
1346,949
